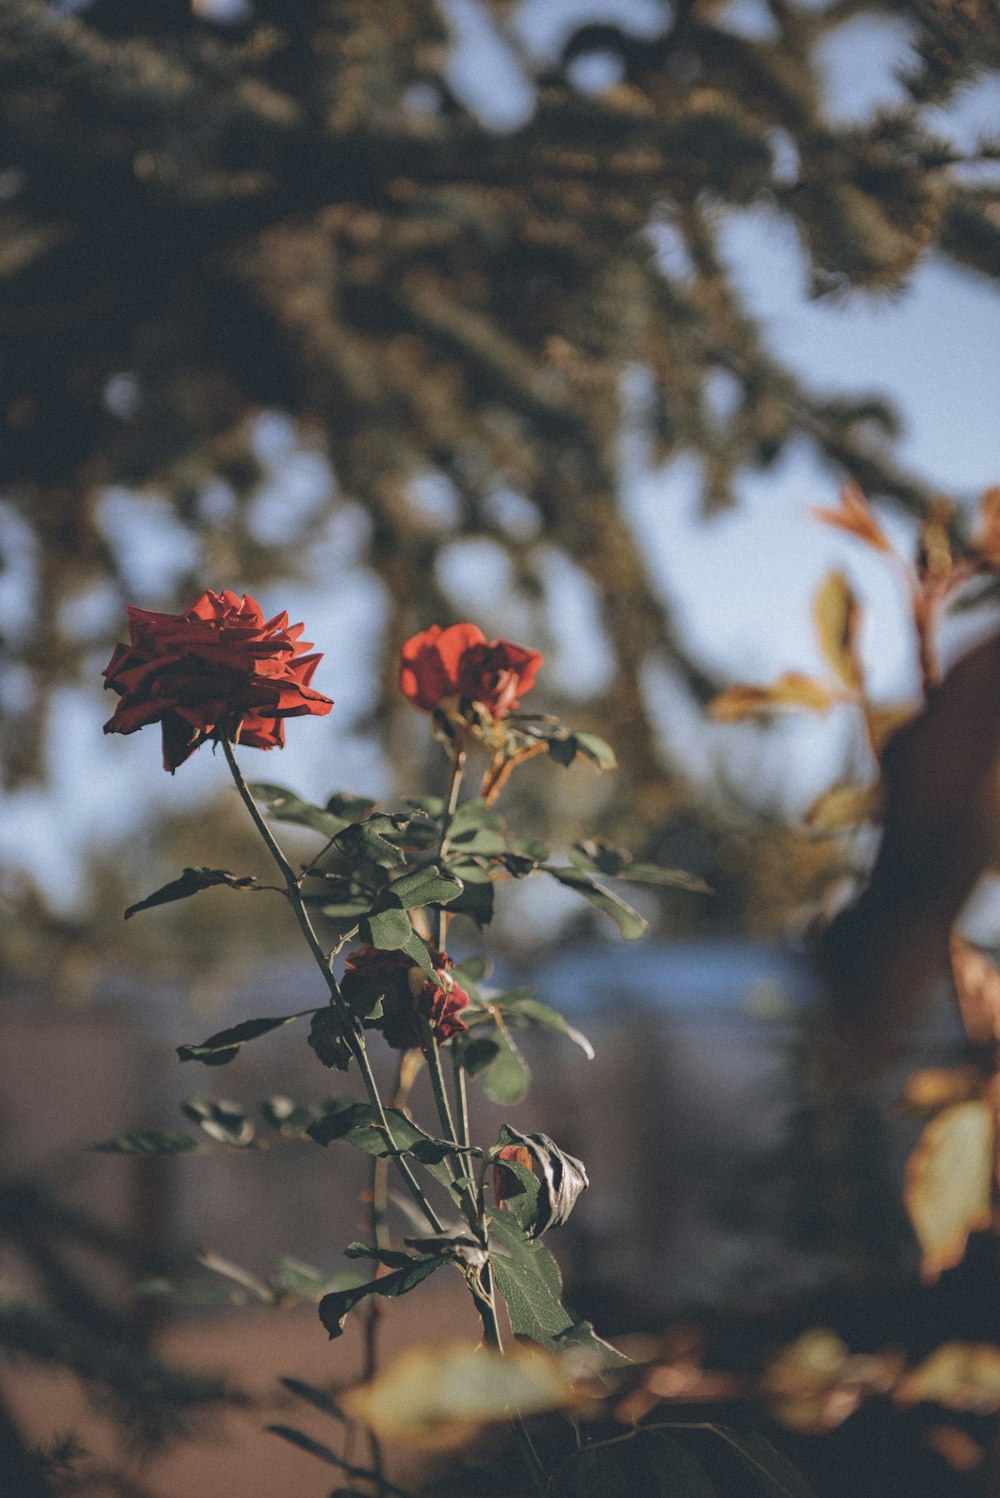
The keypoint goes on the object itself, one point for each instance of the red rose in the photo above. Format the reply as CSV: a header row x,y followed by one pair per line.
x,y
460,662
220,670
405,993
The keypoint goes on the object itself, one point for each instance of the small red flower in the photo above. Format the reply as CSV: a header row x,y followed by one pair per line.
x,y
439,664
220,670
406,994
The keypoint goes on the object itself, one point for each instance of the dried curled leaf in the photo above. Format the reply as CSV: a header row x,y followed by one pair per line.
x,y
986,541
837,614
855,517
793,689
949,1182
562,1177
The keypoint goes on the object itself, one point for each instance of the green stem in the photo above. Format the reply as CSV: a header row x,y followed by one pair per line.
x,y
351,1028
462,1095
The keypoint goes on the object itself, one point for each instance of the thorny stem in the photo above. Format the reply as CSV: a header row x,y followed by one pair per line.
x,y
351,1029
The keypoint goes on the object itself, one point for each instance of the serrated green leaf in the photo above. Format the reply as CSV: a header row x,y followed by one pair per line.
x,y
148,1142
528,1278
389,929
371,841
629,922
507,1079
284,805
425,886
189,883
220,1048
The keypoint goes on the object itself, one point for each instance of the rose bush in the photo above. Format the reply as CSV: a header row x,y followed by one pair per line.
x,y
220,669
459,662
406,995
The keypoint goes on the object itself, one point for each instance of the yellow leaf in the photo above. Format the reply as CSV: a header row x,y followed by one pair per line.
x,y
958,1375
844,805
836,613
949,1181
436,1397
790,690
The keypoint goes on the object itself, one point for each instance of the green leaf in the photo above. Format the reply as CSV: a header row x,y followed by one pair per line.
x,y
531,1011
347,906
369,841
389,929
775,1475
562,748
477,828
285,1114
594,856
476,899
358,1124
528,1278
598,1474
470,970
285,806
596,750
431,806
477,1052
189,883
526,849
507,1079
561,1179
349,808
148,1142
521,1189
673,1471
629,922
326,1037
333,1308
220,1048
425,886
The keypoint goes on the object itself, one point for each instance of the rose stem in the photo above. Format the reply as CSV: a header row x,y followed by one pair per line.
x,y
352,1034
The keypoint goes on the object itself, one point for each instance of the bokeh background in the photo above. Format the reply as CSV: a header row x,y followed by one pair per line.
x,y
555,316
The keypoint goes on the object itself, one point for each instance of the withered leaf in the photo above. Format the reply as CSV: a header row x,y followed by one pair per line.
x,y
837,614
977,984
793,689
949,1182
855,517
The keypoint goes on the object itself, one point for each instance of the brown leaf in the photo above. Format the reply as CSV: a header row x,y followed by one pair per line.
x,y
957,1447
790,690
855,517
977,984
949,1184
837,614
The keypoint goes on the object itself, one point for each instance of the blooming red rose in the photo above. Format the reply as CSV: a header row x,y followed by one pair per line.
x,y
460,662
220,670
406,994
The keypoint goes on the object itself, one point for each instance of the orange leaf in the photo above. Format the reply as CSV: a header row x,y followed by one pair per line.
x,y
790,690
949,1182
957,1375
845,804
935,1087
837,613
855,517
986,542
